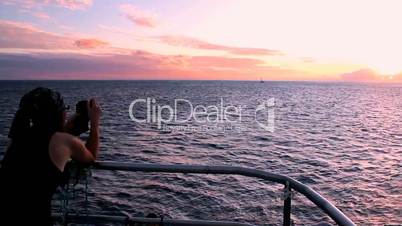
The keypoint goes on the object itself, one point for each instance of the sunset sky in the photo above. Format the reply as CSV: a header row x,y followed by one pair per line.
x,y
216,39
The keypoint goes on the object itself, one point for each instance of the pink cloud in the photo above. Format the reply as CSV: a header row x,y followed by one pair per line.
x,y
225,63
138,16
368,75
16,35
73,4
69,4
397,77
90,43
41,15
26,36
185,41
361,75
134,65
53,56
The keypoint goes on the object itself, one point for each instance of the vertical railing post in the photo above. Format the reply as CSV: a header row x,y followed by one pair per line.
x,y
287,205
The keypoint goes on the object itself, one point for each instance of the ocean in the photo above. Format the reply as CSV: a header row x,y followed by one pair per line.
x,y
342,139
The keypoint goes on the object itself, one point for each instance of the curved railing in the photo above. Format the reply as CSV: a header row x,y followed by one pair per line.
x,y
290,183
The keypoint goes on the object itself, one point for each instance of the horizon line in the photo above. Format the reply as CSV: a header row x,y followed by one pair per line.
x,y
217,80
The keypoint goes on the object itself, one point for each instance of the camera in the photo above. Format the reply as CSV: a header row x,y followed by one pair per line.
x,y
81,119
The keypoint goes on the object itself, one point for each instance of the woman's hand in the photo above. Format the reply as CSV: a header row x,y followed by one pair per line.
x,y
94,112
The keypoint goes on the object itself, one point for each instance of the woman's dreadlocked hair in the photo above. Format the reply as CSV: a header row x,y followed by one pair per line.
x,y
39,115
41,112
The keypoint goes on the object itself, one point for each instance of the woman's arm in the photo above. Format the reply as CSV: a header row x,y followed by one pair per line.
x,y
92,143
64,146
87,153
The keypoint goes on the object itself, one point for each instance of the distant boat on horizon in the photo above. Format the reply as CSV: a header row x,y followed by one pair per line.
x,y
261,81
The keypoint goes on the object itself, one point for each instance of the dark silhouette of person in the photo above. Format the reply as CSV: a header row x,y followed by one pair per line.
x,y
39,149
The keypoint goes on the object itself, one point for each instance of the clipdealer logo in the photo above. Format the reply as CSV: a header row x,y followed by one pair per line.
x,y
221,113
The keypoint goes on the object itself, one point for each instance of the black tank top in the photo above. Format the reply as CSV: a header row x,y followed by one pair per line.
x,y
28,180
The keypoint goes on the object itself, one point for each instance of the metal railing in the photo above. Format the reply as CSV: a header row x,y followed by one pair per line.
x,y
128,220
289,183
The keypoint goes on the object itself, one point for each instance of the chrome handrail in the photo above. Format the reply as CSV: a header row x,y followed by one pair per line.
x,y
128,220
290,183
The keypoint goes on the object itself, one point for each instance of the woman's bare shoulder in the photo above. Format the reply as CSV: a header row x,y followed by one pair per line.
x,y
74,147
63,136
60,148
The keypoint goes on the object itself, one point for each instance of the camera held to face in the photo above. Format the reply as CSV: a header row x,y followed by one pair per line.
x,y
81,119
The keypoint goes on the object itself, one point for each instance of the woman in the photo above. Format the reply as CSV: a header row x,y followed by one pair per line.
x,y
32,167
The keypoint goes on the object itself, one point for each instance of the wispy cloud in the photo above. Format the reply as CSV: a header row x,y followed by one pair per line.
x,y
369,75
69,4
17,35
26,51
41,15
184,41
364,74
138,16
90,43
133,65
26,36
49,55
